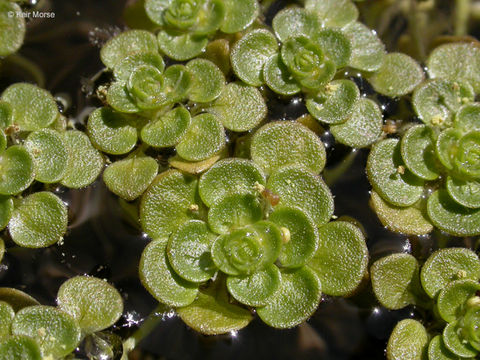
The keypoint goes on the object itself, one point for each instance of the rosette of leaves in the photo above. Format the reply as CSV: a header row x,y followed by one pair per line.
x,y
317,43
431,176
447,287
30,331
36,149
250,234
185,26
182,107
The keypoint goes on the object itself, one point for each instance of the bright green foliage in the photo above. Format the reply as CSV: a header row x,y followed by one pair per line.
x,y
56,332
168,129
12,31
6,317
125,67
110,132
17,299
409,340
340,265
50,155
84,161
17,170
247,236
398,75
40,220
450,277
456,62
333,13
129,178
32,107
363,128
285,142
208,81
5,114
92,302
20,347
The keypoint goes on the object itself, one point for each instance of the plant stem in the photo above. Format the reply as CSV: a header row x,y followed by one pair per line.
x,y
331,176
462,14
148,325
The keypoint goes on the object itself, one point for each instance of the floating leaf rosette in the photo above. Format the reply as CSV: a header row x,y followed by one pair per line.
x,y
253,231
37,152
445,285
32,331
434,169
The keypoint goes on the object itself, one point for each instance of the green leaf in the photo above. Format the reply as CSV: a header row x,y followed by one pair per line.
x,y
125,67
228,177
208,81
126,44
204,137
6,210
281,143
20,347
39,221
92,302
234,211
466,118
6,317
454,341
293,22
213,314
398,75
336,45
17,299
239,107
363,128
464,192
239,15
436,101
456,62
120,99
295,301
451,217
341,259
446,147
2,249
333,13
33,108
467,159
278,77
336,103
5,115
84,161
368,50
410,220
130,177
418,152
300,235
147,87
168,129
299,187
452,299
409,340
158,277
447,265
210,16
248,249
16,169
250,53
388,176
218,52
307,63
13,28
155,10
110,132
50,155
55,331
256,289
396,280
438,351
180,46
188,251
178,81
168,202
196,167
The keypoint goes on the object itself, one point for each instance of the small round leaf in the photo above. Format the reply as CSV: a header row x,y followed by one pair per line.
x,y
13,28
464,192
20,347
168,129
180,46
452,298
409,340
208,80
17,170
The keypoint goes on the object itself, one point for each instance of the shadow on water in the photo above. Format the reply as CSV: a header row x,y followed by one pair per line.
x,y
102,242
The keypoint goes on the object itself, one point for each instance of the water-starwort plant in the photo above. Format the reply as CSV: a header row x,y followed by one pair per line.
x,y
447,287
430,176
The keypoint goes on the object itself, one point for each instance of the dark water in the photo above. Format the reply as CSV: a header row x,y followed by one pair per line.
x,y
103,242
